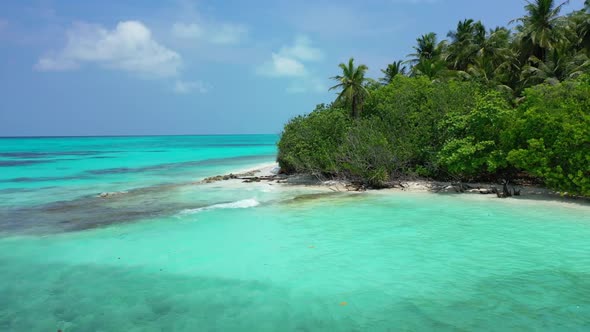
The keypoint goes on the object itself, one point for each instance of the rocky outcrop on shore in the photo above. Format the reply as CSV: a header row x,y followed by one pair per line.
x,y
271,173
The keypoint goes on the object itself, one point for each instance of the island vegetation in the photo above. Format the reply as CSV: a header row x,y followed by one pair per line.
x,y
493,105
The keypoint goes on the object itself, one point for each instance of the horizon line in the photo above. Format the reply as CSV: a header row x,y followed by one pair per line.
x,y
131,135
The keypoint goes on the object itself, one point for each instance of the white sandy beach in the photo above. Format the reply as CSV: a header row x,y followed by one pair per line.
x,y
302,182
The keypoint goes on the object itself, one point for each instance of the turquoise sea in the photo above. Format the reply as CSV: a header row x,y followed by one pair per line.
x,y
174,255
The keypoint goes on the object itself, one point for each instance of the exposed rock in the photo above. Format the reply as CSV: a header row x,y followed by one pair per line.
x,y
505,193
250,180
111,194
213,179
259,178
248,177
450,189
356,187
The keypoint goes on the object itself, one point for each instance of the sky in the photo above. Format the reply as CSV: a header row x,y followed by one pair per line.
x,y
167,67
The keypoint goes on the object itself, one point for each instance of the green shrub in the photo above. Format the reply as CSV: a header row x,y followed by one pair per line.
x,y
411,110
454,129
365,155
309,144
551,136
474,147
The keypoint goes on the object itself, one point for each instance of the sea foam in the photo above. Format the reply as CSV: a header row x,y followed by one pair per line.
x,y
242,204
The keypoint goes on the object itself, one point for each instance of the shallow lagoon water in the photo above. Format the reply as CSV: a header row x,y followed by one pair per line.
x,y
267,258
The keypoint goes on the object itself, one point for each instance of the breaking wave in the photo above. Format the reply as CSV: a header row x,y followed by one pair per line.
x,y
243,204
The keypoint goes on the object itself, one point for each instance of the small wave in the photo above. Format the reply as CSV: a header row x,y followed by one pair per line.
x,y
243,204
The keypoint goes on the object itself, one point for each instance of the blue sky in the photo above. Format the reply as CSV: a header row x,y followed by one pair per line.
x,y
140,67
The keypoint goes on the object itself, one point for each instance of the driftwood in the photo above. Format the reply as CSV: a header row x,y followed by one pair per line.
x,y
356,187
459,187
507,192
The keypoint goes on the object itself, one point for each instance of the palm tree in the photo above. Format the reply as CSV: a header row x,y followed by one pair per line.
x,y
539,27
427,48
466,41
510,70
496,44
579,28
558,67
585,26
392,70
427,60
351,83
584,29
431,68
492,62
484,72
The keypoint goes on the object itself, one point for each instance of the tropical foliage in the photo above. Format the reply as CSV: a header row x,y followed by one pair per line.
x,y
491,105
392,70
351,86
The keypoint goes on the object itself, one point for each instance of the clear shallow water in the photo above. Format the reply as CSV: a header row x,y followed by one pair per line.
x,y
175,256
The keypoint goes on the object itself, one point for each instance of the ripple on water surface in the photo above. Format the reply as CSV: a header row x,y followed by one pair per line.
x,y
377,262
169,255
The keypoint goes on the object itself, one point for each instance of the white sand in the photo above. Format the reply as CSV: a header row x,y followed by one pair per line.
x,y
312,183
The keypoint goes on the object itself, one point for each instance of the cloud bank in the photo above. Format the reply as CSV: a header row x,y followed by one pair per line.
x,y
130,46
289,61
214,33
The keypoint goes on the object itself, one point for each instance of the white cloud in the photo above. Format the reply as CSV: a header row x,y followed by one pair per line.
x,y
289,61
184,87
187,30
281,66
302,50
215,33
130,47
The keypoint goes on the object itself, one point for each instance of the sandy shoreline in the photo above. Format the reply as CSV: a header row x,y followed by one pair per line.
x,y
267,174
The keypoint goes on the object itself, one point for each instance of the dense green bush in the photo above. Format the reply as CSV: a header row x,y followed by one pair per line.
x,y
366,155
551,135
474,147
464,112
310,143
412,110
448,130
